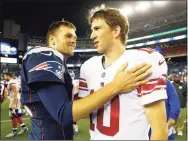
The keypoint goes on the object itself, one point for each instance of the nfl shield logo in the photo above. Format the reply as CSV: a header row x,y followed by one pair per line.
x,y
103,75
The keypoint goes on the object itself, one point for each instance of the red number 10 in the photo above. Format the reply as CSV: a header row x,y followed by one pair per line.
x,y
114,118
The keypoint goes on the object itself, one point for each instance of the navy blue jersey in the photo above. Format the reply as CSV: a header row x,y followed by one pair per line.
x,y
42,65
46,92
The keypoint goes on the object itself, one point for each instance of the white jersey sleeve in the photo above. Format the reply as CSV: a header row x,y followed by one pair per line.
x,y
83,85
75,89
155,89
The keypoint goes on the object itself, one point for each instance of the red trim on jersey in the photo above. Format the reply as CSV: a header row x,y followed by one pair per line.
x,y
82,79
143,89
147,87
76,97
83,89
92,125
164,75
83,84
141,94
155,79
148,50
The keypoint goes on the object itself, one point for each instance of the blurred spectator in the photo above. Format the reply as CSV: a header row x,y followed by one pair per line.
x,y
171,77
181,89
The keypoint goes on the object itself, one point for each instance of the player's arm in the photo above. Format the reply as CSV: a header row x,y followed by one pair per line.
x,y
152,96
173,103
56,100
14,89
156,115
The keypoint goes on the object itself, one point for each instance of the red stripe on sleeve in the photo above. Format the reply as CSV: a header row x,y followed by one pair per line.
x,y
83,84
159,84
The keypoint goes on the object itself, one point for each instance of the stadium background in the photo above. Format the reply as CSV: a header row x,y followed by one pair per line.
x,y
161,25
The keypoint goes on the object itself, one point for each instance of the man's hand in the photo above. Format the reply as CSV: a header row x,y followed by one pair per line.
x,y
171,122
129,80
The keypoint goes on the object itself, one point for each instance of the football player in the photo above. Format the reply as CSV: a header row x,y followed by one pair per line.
x,y
14,106
127,116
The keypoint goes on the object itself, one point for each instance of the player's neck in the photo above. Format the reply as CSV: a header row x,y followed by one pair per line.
x,y
113,54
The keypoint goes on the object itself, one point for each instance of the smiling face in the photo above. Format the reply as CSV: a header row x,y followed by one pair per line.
x,y
102,35
64,40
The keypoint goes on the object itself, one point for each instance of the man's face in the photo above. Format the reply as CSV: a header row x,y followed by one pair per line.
x,y
101,35
65,40
177,79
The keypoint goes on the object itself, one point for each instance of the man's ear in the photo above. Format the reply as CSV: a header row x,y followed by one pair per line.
x,y
52,40
117,31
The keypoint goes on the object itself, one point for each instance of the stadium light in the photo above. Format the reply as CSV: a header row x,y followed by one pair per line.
x,y
164,40
128,10
179,37
158,34
139,44
158,41
159,3
142,6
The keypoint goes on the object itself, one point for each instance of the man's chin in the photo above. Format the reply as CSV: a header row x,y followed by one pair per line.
x,y
100,51
70,54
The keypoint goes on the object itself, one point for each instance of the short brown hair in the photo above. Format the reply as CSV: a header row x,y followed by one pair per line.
x,y
10,74
55,26
112,17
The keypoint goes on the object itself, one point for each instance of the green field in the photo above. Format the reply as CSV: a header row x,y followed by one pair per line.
x,y
6,126
83,127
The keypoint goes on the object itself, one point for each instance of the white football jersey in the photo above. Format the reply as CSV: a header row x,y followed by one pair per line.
x,y
75,88
123,117
9,84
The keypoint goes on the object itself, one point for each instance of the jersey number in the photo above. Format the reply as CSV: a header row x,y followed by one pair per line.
x,y
113,128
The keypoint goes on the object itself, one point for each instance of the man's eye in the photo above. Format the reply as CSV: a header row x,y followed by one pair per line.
x,y
68,36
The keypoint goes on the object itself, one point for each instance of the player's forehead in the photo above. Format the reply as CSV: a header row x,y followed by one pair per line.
x,y
98,22
64,30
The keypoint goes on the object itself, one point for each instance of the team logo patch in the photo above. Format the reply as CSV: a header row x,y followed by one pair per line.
x,y
51,66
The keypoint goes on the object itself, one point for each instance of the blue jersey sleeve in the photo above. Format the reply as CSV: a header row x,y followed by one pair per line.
x,y
56,100
174,104
44,64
